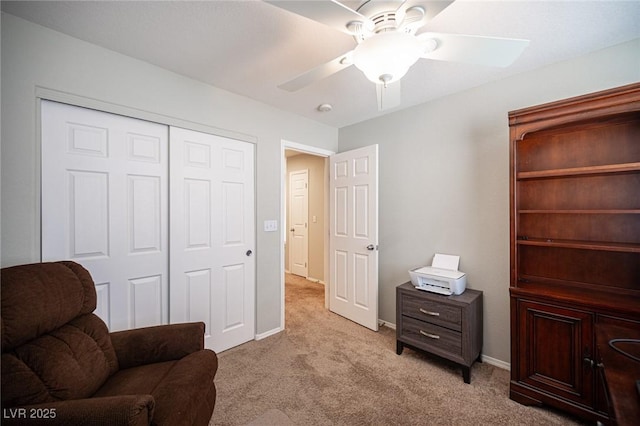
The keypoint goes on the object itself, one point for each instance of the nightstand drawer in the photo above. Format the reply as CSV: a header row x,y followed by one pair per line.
x,y
431,311
430,335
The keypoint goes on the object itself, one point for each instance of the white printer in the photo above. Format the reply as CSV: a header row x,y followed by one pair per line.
x,y
441,277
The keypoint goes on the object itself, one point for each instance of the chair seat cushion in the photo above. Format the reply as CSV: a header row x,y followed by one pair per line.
x,y
183,390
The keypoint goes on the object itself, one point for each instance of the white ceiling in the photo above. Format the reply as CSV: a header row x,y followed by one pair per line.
x,y
250,47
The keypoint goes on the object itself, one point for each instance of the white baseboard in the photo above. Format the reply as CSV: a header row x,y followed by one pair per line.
x,y
489,360
268,333
386,324
315,280
496,362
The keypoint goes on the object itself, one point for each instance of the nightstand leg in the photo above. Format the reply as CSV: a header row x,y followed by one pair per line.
x,y
466,374
399,347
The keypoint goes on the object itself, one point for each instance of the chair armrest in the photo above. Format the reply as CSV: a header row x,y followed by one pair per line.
x,y
127,410
157,344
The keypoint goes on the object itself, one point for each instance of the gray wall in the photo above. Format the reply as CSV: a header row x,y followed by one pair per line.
x,y
36,60
444,169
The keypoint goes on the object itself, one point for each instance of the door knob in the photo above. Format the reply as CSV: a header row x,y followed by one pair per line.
x,y
249,252
371,247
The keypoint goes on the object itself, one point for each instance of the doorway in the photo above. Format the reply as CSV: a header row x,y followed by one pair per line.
x,y
297,158
350,250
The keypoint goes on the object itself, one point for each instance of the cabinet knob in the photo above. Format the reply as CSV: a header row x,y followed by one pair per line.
x,y
588,362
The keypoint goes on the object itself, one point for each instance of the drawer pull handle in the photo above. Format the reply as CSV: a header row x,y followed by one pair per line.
x,y
431,313
429,335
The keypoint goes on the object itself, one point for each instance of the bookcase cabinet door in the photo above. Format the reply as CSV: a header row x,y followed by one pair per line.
x,y
554,343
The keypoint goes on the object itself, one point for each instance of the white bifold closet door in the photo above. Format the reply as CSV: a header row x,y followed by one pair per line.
x,y
108,190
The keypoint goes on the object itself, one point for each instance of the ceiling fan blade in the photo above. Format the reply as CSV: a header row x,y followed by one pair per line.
x,y
434,7
492,51
388,96
330,12
318,73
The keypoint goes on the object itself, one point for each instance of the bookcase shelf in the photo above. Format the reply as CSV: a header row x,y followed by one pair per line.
x,y
583,245
574,243
580,171
584,211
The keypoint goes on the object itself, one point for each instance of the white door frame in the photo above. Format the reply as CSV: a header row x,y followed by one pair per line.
x,y
319,152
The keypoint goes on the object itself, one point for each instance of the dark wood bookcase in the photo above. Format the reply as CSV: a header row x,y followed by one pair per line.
x,y
575,243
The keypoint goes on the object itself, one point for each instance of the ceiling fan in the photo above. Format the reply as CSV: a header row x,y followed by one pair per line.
x,y
389,42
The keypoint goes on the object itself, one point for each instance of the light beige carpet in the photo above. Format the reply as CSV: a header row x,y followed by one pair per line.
x,y
272,417
326,370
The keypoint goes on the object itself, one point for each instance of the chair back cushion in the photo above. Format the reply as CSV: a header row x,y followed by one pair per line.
x,y
53,347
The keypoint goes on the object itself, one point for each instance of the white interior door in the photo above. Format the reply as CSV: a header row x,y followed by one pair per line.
x,y
105,205
299,218
212,233
353,241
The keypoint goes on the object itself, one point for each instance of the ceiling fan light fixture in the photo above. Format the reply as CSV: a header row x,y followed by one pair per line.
x,y
386,57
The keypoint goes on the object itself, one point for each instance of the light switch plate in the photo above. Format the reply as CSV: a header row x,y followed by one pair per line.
x,y
270,225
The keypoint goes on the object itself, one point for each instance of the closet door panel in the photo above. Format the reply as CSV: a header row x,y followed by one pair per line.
x,y
213,236
88,214
105,206
144,208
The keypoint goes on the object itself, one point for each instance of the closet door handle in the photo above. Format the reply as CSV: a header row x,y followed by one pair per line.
x,y
249,252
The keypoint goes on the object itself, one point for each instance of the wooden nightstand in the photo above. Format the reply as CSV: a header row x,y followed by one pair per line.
x,y
447,326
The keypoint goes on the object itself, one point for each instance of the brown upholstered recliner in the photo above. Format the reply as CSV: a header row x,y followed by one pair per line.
x,y
60,364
